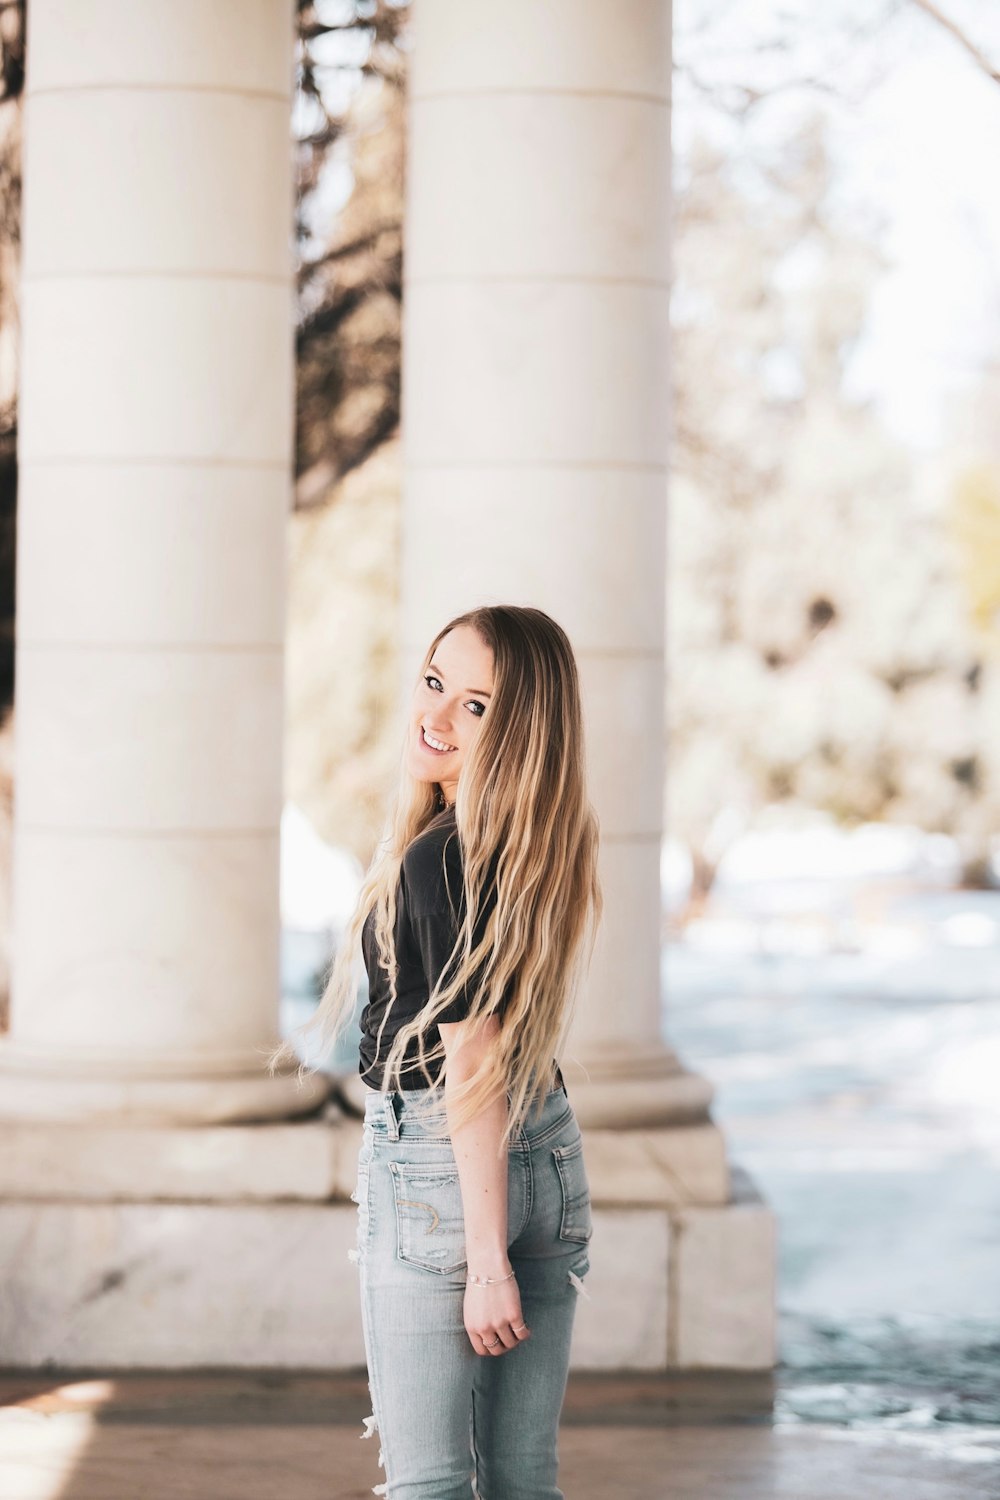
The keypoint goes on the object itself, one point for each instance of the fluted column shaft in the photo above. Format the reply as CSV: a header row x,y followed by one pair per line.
x,y
536,422
156,426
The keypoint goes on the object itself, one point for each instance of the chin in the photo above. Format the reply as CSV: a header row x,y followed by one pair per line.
x,y
420,773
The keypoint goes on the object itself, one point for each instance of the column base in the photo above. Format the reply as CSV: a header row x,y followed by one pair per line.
x,y
620,1087
228,1088
129,1230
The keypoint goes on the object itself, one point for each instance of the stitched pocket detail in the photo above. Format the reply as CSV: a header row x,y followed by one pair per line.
x,y
430,1222
576,1221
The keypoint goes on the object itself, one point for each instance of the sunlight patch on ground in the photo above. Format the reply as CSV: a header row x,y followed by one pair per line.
x,y
40,1453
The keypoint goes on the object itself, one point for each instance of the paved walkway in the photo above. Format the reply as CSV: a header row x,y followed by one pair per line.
x,y
277,1436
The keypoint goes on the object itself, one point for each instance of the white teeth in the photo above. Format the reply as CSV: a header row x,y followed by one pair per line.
x,y
436,744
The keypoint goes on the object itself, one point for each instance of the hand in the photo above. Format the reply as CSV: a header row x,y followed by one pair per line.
x,y
493,1315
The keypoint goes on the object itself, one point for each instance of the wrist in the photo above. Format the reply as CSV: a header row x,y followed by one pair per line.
x,y
489,1265
473,1280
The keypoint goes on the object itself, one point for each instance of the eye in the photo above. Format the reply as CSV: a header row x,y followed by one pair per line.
x,y
430,677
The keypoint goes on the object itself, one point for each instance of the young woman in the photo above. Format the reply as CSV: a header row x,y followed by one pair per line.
x,y
476,921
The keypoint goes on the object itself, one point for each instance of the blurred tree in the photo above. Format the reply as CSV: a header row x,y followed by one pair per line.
x,y
819,651
975,525
349,229
962,35
12,20
819,648
342,627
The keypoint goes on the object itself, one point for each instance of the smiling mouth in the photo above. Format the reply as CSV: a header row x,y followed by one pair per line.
x,y
433,748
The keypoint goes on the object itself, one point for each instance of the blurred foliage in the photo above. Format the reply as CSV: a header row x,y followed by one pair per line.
x,y
12,38
349,231
820,645
13,15
822,640
975,527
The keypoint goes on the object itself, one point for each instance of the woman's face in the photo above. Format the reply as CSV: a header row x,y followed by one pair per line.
x,y
448,703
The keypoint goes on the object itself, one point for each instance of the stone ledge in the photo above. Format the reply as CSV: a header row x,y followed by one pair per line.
x,y
315,1161
236,1284
311,1160
228,1286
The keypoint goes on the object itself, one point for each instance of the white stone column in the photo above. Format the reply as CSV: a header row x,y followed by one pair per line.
x,y
536,425
156,431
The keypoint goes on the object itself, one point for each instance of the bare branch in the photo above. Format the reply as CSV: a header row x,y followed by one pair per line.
x,y
979,57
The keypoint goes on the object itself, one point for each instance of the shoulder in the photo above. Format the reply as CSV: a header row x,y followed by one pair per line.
x,y
432,864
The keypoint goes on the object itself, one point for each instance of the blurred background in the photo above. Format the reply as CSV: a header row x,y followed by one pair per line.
x,y
831,871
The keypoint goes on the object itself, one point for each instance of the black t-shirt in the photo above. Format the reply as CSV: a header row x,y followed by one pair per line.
x,y
430,907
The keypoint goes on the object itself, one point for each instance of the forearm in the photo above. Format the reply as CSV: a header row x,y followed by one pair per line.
x,y
482,1170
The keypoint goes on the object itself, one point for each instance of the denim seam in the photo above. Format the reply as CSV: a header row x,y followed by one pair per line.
x,y
529,1196
566,1230
534,1141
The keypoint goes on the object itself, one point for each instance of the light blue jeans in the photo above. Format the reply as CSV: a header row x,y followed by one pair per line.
x,y
454,1424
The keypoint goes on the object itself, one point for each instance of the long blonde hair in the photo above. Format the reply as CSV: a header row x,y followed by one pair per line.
x,y
522,815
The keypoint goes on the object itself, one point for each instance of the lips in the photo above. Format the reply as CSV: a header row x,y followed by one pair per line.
x,y
430,748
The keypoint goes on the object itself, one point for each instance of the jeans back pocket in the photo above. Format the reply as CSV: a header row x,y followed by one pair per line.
x,y
430,1221
576,1220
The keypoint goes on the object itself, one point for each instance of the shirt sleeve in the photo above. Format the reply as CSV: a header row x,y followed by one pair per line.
x,y
436,900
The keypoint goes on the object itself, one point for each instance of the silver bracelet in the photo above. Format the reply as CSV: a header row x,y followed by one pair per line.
x,y
486,1280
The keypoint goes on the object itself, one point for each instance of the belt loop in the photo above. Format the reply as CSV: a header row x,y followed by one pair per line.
x,y
391,1121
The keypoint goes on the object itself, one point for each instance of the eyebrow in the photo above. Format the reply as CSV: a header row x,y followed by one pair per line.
x,y
481,692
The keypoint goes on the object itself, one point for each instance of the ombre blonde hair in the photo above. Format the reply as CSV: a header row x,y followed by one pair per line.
x,y
521,797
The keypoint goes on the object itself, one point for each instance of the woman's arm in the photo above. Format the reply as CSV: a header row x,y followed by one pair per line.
x,y
482,1168
490,1311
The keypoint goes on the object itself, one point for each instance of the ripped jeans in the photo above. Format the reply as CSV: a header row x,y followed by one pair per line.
x,y
454,1424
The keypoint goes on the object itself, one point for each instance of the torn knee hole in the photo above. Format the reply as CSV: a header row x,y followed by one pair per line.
x,y
371,1425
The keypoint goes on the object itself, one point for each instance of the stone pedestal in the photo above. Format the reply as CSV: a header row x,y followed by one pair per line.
x,y
228,1246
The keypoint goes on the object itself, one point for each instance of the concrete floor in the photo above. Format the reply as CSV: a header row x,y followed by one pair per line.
x,y
279,1436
